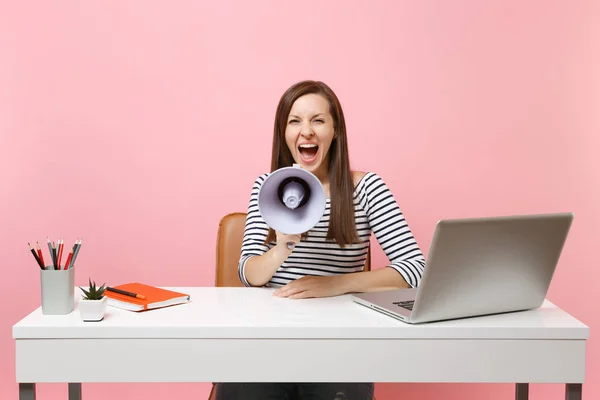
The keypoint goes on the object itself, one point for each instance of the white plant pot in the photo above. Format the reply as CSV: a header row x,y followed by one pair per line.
x,y
92,310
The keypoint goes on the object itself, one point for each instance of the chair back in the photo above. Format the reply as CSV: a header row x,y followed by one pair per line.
x,y
229,249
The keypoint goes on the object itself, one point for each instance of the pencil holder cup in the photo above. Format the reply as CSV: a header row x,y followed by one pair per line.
x,y
58,290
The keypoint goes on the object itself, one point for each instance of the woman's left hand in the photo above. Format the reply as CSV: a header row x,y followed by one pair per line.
x,y
312,286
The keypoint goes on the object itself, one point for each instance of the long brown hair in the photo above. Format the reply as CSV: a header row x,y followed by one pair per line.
x,y
342,228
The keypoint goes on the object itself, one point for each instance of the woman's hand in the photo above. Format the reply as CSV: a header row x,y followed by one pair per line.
x,y
287,242
335,285
313,286
260,269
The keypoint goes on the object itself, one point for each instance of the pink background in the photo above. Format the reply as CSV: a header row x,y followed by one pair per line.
x,y
138,126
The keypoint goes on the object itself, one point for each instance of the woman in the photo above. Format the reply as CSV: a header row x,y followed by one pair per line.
x,y
329,259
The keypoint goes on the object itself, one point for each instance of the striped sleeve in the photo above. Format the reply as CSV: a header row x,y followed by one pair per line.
x,y
392,231
255,232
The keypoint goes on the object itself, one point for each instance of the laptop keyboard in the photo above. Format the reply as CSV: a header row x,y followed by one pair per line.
x,y
405,304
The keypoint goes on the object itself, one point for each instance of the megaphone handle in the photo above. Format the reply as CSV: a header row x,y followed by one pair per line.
x,y
291,245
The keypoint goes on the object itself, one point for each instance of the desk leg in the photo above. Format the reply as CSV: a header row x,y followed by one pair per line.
x,y
573,391
26,391
74,391
522,391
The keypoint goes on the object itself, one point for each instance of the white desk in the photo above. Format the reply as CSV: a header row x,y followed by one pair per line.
x,y
226,334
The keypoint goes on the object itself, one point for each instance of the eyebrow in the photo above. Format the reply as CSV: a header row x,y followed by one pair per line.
x,y
316,115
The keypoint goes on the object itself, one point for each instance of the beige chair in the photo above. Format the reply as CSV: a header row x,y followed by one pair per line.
x,y
229,247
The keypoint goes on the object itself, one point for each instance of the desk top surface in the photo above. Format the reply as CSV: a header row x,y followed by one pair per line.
x,y
253,313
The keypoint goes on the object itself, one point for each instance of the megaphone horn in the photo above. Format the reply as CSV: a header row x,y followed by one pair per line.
x,y
291,200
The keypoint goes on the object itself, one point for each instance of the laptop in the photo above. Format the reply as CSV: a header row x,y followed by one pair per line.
x,y
480,266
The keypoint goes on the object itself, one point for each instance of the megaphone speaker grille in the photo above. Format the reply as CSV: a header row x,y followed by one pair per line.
x,y
294,189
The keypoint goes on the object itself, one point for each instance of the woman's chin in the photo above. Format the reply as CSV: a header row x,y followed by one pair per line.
x,y
312,168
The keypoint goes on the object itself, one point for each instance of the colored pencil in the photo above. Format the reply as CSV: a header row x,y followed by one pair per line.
x,y
68,259
50,250
39,251
54,255
37,259
61,243
75,252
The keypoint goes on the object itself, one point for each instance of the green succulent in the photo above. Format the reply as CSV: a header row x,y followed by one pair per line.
x,y
93,292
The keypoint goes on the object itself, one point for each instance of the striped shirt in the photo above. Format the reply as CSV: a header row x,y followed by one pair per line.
x,y
375,211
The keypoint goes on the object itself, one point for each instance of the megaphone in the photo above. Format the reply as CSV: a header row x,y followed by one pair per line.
x,y
291,200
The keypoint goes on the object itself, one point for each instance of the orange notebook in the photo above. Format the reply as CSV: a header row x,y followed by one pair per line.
x,y
155,297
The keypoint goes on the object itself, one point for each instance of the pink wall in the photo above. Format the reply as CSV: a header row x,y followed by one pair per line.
x,y
139,126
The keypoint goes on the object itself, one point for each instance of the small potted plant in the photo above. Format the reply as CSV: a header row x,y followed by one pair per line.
x,y
93,304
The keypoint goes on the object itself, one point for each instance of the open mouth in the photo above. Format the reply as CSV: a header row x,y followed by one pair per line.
x,y
308,152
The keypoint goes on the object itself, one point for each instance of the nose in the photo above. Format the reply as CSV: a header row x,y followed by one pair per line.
x,y
306,130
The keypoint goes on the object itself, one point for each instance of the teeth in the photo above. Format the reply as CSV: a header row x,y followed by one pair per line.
x,y
307,145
